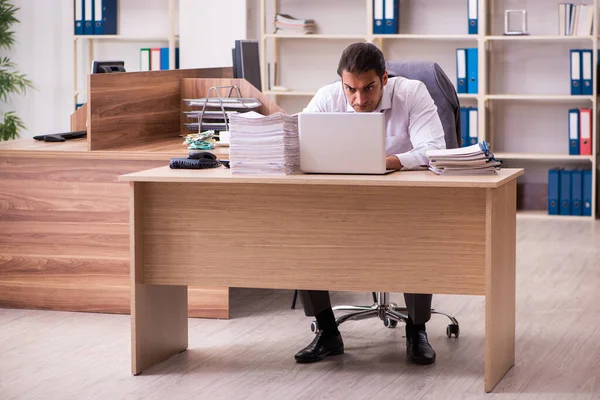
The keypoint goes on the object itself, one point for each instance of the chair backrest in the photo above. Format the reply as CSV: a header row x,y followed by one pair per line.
x,y
441,90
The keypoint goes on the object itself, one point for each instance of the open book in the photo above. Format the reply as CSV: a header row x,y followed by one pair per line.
x,y
475,159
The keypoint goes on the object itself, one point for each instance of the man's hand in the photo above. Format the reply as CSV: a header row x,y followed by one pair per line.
x,y
392,162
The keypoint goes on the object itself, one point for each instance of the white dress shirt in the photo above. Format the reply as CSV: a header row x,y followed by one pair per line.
x,y
412,123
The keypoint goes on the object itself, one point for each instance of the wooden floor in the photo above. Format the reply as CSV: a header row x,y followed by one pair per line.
x,y
59,355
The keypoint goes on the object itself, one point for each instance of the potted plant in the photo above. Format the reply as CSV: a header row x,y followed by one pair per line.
x,y
11,81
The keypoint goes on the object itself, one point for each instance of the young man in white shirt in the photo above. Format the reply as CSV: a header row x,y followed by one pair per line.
x,y
412,127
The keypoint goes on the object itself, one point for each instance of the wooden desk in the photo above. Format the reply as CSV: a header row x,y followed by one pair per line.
x,y
317,232
64,242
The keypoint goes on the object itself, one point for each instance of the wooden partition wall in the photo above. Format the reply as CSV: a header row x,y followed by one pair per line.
x,y
130,108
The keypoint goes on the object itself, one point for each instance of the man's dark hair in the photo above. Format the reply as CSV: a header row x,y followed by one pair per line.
x,y
359,58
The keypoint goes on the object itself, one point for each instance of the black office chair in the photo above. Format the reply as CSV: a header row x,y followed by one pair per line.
x,y
445,98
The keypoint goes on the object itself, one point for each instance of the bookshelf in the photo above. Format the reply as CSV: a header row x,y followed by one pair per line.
x,y
431,30
84,46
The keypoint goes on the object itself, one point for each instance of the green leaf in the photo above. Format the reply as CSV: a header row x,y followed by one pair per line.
x,y
11,80
11,126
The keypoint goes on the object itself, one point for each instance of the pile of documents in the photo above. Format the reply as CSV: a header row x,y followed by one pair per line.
x,y
264,144
287,24
470,160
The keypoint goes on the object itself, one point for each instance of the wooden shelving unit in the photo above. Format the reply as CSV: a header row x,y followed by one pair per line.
x,y
486,40
542,157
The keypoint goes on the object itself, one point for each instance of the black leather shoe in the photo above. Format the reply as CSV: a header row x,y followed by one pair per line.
x,y
321,347
417,346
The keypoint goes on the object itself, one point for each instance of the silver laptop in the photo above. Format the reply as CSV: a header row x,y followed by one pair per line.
x,y
342,143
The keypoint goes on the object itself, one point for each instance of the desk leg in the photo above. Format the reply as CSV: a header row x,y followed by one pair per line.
x,y
159,324
500,283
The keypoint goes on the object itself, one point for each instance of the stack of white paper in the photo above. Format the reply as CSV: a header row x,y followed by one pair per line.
x,y
264,144
475,159
287,24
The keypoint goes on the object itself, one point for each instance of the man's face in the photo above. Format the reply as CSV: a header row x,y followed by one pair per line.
x,y
363,91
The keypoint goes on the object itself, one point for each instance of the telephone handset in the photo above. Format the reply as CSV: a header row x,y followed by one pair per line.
x,y
199,160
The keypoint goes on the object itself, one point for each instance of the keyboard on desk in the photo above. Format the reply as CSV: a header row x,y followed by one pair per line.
x,y
61,137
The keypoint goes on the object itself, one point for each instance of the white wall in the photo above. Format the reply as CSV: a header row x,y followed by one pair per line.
x,y
208,30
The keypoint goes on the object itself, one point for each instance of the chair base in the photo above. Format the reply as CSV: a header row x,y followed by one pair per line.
x,y
388,312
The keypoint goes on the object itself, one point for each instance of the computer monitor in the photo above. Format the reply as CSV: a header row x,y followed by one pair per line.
x,y
107,67
234,62
246,62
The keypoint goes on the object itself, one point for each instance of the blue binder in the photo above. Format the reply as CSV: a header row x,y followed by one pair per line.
x,y
88,17
378,7
586,206
473,126
576,191
105,17
574,131
461,70
473,12
565,192
164,58
553,191
586,73
98,25
391,17
472,73
464,126
78,10
575,72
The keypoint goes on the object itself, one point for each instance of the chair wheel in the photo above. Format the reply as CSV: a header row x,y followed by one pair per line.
x,y
390,323
452,329
314,327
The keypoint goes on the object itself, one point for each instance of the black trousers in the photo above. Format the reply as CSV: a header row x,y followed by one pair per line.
x,y
419,305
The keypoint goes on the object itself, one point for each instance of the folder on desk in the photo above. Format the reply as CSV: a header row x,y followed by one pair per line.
x,y
391,16
88,17
553,191
79,21
461,70
378,6
576,191
472,70
473,126
565,192
473,14
105,17
585,131
586,73
464,126
575,72
587,193
574,131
